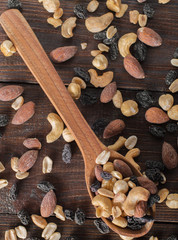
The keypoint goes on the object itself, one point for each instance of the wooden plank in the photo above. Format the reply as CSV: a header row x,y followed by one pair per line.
x,y
156,66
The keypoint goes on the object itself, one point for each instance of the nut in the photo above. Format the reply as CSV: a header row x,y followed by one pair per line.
x,y
173,113
135,152
18,103
98,24
3,183
100,81
57,127
84,45
51,5
140,209
169,156
63,54
108,184
111,31
108,167
39,221
120,186
21,232
100,62
172,196
47,165
142,20
120,222
2,168
153,238
147,184
74,90
103,157
125,42
149,37
7,48
32,143
174,62
117,175
10,235
117,99
116,211
123,168
133,16
10,92
129,108
103,48
163,1
98,171
54,22
163,193
58,13
113,128
48,204
103,202
156,115
67,135
15,164
55,236
27,160
125,237
99,211
92,6
119,199
114,5
49,230
79,81
131,142
122,11
21,175
58,211
68,26
94,53
118,144
166,101
108,92
163,177
174,86
131,184
133,67
105,192
173,204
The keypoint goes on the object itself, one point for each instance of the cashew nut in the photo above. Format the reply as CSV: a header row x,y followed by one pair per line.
x,y
135,195
100,81
68,26
57,127
118,144
125,42
103,202
98,24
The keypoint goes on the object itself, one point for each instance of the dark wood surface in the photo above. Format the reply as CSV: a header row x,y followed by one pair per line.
x,y
69,179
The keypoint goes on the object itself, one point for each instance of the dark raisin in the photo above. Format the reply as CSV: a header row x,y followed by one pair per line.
x,y
99,126
148,10
108,41
69,214
67,153
154,198
79,217
154,174
101,226
175,55
154,164
171,127
134,180
144,99
15,4
80,11
106,175
4,120
157,131
82,73
95,186
145,219
71,238
87,99
139,51
113,51
133,223
45,186
24,216
100,35
173,237
170,77
13,193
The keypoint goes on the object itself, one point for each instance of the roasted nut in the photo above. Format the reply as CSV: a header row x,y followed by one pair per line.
x,y
140,209
129,108
135,152
149,37
58,13
47,165
57,127
156,115
17,103
174,62
173,204
114,128
100,81
21,232
49,230
120,186
62,54
21,175
174,86
118,144
67,135
68,26
125,237
10,235
103,48
117,175
108,92
98,24
146,183
98,171
27,160
92,6
15,164
103,157
142,20
113,5
99,212
48,204
117,99
131,142
125,42
153,238
166,101
163,193
84,45
3,183
2,168
32,143
163,1
7,48
51,5
94,53
105,192
58,211
131,184
103,202
120,222
55,236
108,167
119,199
108,184
54,22
163,177
173,113
116,211
133,16
172,196
100,62
111,31
39,221
122,11
74,90
79,81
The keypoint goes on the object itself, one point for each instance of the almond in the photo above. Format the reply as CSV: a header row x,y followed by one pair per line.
x,y
133,67
48,204
108,92
149,37
123,168
98,171
27,160
63,54
156,115
140,209
114,128
169,156
32,143
24,113
148,184
10,92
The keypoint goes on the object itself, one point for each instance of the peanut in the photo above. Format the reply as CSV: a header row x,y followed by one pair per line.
x,y
129,108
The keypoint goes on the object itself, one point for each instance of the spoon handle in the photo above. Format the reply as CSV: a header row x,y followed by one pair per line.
x,y
30,49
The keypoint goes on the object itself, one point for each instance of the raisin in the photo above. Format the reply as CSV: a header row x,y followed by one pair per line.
x,y
175,55
106,175
170,77
133,223
154,174
87,99
4,120
67,153
101,226
69,214
171,127
154,164
14,4
139,51
134,180
24,216
172,237
145,219
113,51
100,35
95,186
148,10
45,186
99,126
108,41
82,73
80,11
13,193
71,238
157,131
79,217
154,198
144,99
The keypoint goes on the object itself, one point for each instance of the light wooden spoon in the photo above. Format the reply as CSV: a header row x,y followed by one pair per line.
x,y
29,48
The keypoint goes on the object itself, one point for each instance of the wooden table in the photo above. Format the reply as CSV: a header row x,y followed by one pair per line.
x,y
69,179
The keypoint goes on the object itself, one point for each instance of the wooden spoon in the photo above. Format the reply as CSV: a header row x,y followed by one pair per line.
x,y
29,48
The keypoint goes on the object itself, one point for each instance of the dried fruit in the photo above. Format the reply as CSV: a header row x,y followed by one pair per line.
x,y
106,175
39,221
144,99
32,143
95,186
100,35
129,108
139,51
4,120
175,55
27,160
13,193
101,226
48,204
113,51
152,200
45,186
88,99
156,115
173,113
172,237
10,92
14,4
154,174
81,72
157,131
149,37
150,164
108,92
169,156
62,54
24,217
171,127
79,217
68,26
69,214
99,126
114,128
170,77
123,168
80,11
67,154
148,10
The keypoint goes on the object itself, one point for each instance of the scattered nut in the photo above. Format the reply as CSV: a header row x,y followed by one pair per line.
x,y
129,108
7,48
21,175
156,115
118,144
10,92
122,11
94,53
55,236
27,160
39,221
68,26
113,128
174,62
54,22
125,42
117,99
172,204
108,92
111,31
131,184
133,16
131,142
32,143
84,45
114,5
67,135
10,235
142,20
163,1
21,232
172,196
58,211
103,157
58,13
166,101
92,6
103,48
15,164
49,230
2,168
100,62
62,54
48,205
74,90
47,165
174,86
79,81
173,113
17,103
3,183
51,5
149,37
163,193
100,81
135,152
